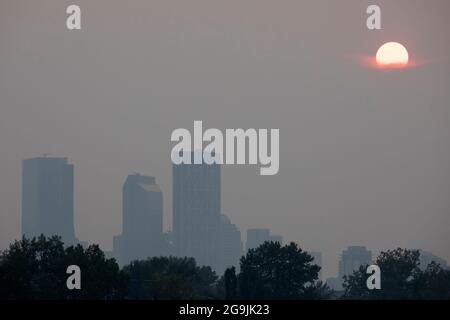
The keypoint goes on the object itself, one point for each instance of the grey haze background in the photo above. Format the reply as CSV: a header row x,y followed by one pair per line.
x,y
365,154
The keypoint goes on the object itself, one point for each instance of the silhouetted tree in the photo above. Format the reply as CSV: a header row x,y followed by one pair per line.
x,y
272,271
36,269
318,291
170,278
432,283
401,278
102,278
230,281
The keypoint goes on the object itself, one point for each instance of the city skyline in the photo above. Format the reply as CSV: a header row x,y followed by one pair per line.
x,y
48,208
364,152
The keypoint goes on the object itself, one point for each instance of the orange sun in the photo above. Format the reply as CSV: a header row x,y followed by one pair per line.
x,y
392,55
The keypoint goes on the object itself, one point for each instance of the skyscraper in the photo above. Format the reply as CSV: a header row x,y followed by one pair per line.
x,y
142,220
230,245
352,258
196,211
47,198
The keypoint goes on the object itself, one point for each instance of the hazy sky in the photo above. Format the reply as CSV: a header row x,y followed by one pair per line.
x,y
364,153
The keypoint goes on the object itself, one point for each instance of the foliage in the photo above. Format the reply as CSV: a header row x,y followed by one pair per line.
x,y
401,278
272,271
170,278
230,283
36,269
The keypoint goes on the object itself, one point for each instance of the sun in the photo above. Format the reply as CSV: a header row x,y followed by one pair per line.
x,y
392,55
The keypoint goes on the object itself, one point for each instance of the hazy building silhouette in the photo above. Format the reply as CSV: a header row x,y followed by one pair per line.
x,y
351,259
47,198
142,220
317,260
256,237
196,211
427,257
229,245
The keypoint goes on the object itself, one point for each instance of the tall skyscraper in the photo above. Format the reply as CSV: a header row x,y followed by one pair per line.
x,y
230,245
47,198
352,258
196,211
142,220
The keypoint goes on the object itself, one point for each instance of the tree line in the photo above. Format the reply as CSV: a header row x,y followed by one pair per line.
x,y
36,269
